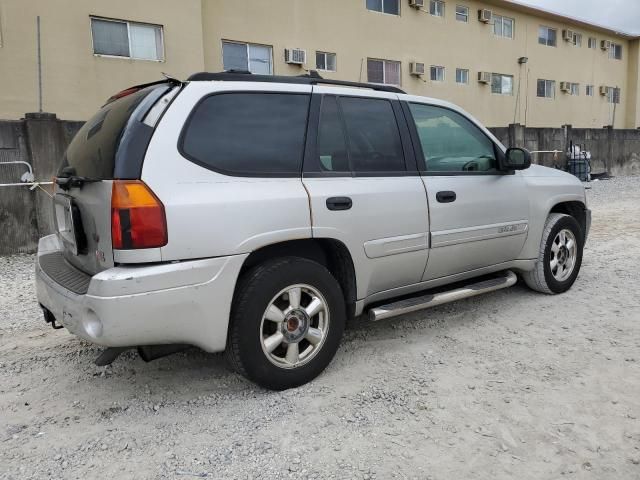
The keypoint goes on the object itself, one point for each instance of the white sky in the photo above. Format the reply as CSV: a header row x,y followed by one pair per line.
x,y
616,14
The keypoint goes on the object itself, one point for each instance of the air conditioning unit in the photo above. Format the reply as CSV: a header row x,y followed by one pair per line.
x,y
295,56
567,35
604,90
485,15
417,69
605,44
565,87
484,77
416,3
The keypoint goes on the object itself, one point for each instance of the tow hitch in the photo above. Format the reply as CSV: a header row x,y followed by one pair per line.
x,y
49,318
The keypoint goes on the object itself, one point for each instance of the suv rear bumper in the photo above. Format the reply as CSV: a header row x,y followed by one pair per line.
x,y
183,302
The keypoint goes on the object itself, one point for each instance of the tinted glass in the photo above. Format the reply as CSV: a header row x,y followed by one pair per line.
x,y
332,145
375,71
450,142
248,133
375,5
110,38
92,152
374,138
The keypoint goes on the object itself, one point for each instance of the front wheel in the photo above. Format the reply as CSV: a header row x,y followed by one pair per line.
x,y
560,256
286,324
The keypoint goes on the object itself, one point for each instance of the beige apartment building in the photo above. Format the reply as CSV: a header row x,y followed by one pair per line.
x,y
502,61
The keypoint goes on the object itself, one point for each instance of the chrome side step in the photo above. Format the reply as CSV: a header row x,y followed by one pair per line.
x,y
507,279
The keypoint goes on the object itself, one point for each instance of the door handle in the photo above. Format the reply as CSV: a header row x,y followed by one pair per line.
x,y
446,197
339,203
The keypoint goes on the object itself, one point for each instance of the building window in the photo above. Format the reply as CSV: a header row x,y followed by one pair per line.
x,y
247,56
437,73
547,36
613,95
503,26
462,13
593,42
574,89
383,71
501,84
546,88
589,90
436,8
577,39
326,61
615,51
462,76
118,38
392,7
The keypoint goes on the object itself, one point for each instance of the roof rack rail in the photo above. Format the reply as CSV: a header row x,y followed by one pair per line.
x,y
312,78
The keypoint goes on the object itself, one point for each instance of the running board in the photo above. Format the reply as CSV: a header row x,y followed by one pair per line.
x,y
507,279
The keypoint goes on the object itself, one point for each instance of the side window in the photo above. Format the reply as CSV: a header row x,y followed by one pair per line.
x,y
374,138
248,133
452,143
332,145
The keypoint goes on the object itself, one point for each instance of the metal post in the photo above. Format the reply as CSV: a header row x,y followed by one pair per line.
x,y
39,66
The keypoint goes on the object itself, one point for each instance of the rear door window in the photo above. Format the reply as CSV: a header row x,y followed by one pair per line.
x,y
359,136
374,138
248,134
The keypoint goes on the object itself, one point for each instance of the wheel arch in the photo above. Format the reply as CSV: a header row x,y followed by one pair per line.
x,y
575,209
332,254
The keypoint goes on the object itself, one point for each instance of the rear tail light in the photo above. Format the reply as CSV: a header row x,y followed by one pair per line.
x,y
137,216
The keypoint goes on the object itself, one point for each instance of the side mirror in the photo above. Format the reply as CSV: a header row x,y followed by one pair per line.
x,y
516,159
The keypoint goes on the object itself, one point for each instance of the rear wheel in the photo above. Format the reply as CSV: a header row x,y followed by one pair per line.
x,y
560,256
286,322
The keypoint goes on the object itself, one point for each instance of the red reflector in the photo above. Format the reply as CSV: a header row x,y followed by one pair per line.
x,y
123,93
137,216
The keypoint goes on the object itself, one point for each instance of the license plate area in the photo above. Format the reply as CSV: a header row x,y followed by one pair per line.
x,y
68,224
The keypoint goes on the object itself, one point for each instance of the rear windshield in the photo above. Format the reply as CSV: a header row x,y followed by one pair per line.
x,y
94,151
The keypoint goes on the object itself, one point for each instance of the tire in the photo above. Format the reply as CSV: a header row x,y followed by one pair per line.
x,y
544,277
264,314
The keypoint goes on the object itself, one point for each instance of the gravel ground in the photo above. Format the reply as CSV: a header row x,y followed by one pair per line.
x,y
512,384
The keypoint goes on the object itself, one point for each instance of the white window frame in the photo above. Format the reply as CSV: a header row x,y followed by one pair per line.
x,y
547,44
501,19
128,23
465,14
612,51
549,87
589,90
577,39
326,54
502,76
437,69
384,74
611,94
247,45
464,76
574,89
382,6
593,43
439,8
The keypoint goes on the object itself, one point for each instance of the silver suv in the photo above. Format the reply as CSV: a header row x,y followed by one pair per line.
x,y
256,214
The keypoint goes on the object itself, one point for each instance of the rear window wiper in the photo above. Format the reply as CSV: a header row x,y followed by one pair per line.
x,y
67,179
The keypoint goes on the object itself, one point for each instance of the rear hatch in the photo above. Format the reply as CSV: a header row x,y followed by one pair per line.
x,y
110,146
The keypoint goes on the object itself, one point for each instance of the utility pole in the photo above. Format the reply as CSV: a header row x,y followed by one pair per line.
x,y
39,65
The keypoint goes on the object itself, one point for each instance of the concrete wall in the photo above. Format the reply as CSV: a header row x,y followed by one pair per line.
x,y
26,215
613,151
